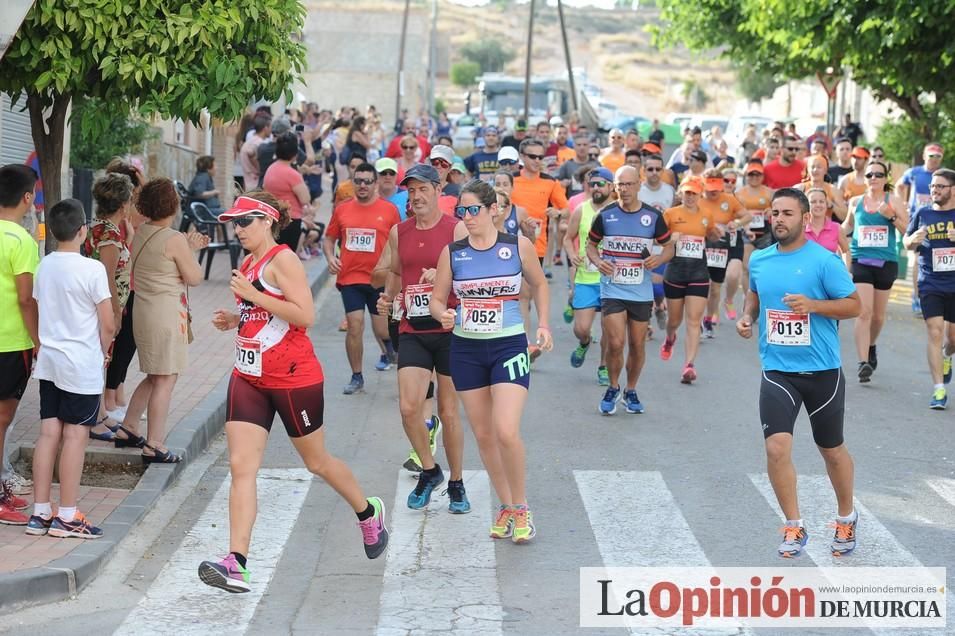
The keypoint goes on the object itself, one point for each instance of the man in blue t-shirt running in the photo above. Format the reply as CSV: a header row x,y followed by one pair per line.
x,y
798,291
931,233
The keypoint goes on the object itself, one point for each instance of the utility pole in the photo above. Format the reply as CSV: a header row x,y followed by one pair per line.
x,y
401,60
433,57
570,68
527,67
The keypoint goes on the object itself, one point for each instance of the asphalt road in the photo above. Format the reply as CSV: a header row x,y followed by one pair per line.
x,y
681,485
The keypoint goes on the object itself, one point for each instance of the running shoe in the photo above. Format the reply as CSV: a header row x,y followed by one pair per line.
x,y
608,405
632,401
343,325
374,533
357,385
661,316
946,372
384,363
649,332
547,274
523,530
226,575
413,463
503,525
873,358
666,349
568,314
20,485
708,328
916,305
458,503
715,319
37,526
421,495
6,493
794,539
578,355
939,400
603,376
10,515
729,309
844,541
865,371
434,429
79,528
689,374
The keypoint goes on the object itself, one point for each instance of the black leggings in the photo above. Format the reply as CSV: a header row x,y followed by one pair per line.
x,y
124,346
292,234
781,395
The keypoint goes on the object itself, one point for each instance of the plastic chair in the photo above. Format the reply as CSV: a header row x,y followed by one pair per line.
x,y
185,201
207,223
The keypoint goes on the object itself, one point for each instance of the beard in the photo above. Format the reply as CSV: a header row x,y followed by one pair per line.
x,y
599,198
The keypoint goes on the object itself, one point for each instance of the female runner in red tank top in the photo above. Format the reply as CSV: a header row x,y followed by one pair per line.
x,y
276,371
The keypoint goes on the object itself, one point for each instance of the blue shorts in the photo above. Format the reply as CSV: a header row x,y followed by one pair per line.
x,y
357,297
477,363
586,296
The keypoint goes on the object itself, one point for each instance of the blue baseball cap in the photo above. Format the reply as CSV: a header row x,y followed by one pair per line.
x,y
603,173
422,172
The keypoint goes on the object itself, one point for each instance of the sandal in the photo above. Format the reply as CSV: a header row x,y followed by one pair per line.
x,y
110,435
160,457
132,440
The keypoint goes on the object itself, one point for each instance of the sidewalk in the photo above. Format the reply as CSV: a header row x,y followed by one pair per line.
x,y
37,570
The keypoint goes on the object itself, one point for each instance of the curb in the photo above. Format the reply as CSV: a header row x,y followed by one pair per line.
x,y
62,578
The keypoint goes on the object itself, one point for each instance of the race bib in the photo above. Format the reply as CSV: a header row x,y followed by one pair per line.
x,y
627,272
787,328
248,356
716,257
758,221
418,300
690,247
943,259
482,315
359,240
397,307
874,236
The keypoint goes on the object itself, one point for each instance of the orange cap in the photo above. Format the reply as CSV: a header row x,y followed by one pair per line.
x,y
754,167
651,148
694,184
860,152
714,184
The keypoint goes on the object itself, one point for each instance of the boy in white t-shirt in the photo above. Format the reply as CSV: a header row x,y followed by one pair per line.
x,y
76,328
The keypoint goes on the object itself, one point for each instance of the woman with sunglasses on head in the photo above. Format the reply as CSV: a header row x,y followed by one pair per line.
x,y
874,221
817,167
276,371
409,155
490,365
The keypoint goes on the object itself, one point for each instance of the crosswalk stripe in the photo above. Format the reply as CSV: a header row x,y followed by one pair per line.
x,y
179,603
441,570
945,488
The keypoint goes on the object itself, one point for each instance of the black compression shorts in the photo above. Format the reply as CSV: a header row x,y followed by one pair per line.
x,y
302,409
781,395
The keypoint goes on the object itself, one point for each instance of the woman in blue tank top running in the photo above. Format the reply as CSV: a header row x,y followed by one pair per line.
x,y
874,221
490,365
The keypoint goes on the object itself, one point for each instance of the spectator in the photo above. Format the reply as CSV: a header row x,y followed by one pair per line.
x,y
245,125
76,327
265,153
19,256
850,129
163,266
248,155
203,187
356,141
444,126
286,183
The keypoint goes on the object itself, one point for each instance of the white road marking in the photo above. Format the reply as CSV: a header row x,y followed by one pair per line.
x,y
179,603
441,570
944,487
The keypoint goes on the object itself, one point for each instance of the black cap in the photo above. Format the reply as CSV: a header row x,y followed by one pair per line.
x,y
422,172
699,155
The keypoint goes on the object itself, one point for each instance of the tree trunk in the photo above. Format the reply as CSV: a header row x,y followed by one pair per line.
x,y
48,127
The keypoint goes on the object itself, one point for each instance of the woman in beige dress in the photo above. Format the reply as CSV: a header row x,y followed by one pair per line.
x,y
163,265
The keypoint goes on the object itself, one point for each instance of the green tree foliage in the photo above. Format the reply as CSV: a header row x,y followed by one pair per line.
x,y
127,134
172,58
755,85
901,137
464,73
489,54
901,50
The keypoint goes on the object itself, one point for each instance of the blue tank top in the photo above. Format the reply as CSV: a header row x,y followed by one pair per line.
x,y
873,235
488,286
511,225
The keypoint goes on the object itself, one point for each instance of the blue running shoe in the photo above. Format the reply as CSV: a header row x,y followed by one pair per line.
x,y
939,400
79,528
384,363
916,305
794,539
632,402
38,526
357,384
608,405
578,355
421,495
458,503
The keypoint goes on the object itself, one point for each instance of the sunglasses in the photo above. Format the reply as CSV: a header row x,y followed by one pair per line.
x,y
534,157
388,173
649,169
875,175
363,182
597,184
594,156
506,162
409,147
440,162
729,180
754,174
875,157
246,221
463,211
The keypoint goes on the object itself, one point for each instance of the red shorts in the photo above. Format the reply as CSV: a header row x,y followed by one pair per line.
x,y
301,409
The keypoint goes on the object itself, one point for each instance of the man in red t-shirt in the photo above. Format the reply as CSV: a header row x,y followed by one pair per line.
x,y
787,170
361,225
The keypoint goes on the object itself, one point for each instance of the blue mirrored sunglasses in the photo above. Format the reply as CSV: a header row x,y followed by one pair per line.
x,y
462,211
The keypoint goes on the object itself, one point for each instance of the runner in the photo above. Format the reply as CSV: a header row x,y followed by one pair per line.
x,y
755,198
787,170
624,232
275,371
489,359
514,220
686,282
914,189
799,292
818,167
425,344
360,226
612,157
873,220
822,229
482,163
843,165
388,189
658,194
931,233
852,184
724,257
585,291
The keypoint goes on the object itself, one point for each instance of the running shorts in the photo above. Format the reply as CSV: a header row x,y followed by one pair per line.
x,y
357,297
14,373
636,310
302,409
477,362
677,291
935,305
586,296
882,278
782,394
69,408
431,351
764,240
717,274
